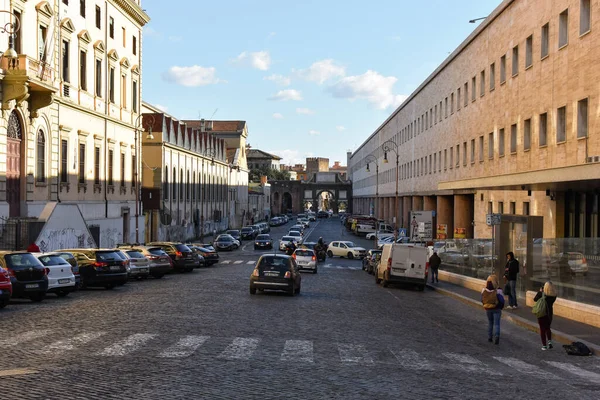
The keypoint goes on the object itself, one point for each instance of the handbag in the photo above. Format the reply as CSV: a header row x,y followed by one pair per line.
x,y
540,308
507,289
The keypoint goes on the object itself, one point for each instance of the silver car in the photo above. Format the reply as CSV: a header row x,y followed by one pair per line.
x,y
159,262
139,267
306,259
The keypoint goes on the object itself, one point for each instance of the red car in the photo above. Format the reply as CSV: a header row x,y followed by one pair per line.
x,y
5,287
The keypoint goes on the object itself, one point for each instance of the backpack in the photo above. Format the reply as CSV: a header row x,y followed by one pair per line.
x,y
577,349
489,299
540,308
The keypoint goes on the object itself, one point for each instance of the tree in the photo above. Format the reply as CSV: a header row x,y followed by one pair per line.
x,y
271,174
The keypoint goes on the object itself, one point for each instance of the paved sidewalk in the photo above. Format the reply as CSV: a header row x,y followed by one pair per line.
x,y
563,330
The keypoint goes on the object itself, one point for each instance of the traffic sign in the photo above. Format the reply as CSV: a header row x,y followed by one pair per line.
x,y
402,232
493,219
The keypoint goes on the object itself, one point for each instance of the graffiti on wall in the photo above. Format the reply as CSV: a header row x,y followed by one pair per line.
x,y
50,240
109,238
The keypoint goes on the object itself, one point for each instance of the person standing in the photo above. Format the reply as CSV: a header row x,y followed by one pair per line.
x,y
511,271
434,263
548,293
493,303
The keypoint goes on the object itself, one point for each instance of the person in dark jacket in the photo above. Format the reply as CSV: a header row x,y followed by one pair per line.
x,y
548,291
511,271
434,263
493,303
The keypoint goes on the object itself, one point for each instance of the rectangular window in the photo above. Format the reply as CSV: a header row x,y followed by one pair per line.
x,y
99,78
482,84
584,16
543,129
18,37
492,76
64,149
111,27
134,97
124,37
445,159
435,117
465,154
123,91
561,124
111,160
527,134
81,163
42,36
111,86
430,163
480,148
501,142
529,52
83,70
472,151
440,159
82,8
446,107
525,208
563,28
65,61
545,45
122,169
490,207
457,155
98,18
440,111
134,45
451,157
515,60
513,138
466,94
491,145
582,118
502,69
501,207
434,162
457,99
97,165
473,88
513,208
452,102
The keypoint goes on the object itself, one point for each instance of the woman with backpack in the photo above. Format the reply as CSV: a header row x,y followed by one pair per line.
x,y
493,303
546,294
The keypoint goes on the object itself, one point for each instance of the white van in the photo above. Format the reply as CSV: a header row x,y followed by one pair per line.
x,y
404,263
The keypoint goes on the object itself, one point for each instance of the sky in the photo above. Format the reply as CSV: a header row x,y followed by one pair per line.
x,y
312,78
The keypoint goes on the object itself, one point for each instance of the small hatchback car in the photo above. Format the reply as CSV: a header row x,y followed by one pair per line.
x,y
306,259
61,279
27,274
100,267
263,241
276,272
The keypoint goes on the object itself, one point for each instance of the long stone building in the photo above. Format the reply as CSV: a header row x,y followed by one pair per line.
x,y
506,124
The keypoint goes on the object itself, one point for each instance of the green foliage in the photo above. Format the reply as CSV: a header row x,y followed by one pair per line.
x,y
272,174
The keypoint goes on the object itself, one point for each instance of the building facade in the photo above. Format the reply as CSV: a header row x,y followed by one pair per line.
x,y
70,104
261,159
506,124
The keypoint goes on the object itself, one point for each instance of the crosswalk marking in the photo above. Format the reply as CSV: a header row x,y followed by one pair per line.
x,y
13,341
128,345
470,364
226,262
240,349
185,347
250,262
593,376
297,350
71,344
526,368
411,359
238,262
351,353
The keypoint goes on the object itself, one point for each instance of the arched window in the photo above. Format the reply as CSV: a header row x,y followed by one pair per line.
x,y
41,157
181,185
174,184
187,186
166,184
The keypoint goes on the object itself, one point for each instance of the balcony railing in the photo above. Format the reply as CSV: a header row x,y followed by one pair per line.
x,y
30,67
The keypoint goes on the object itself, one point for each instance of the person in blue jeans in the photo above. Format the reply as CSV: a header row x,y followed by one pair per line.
x,y
493,303
511,272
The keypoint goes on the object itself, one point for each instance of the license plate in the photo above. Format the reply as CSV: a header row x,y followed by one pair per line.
x,y
32,286
143,269
115,268
64,280
267,273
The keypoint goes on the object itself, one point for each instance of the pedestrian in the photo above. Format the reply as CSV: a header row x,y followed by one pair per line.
x,y
33,248
548,294
493,303
434,263
511,271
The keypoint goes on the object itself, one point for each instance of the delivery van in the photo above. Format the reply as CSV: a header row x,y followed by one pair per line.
x,y
404,263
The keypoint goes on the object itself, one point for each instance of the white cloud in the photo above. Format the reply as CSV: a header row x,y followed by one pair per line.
x,y
260,59
289,157
192,76
277,116
372,86
340,128
278,79
161,107
287,94
305,111
322,71
312,132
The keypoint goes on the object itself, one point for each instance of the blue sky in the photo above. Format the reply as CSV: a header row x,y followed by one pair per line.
x,y
311,78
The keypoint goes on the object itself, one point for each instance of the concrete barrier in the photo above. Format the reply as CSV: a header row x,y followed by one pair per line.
x,y
580,312
461,280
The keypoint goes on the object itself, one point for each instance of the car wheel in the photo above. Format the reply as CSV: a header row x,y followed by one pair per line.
x,y
377,280
385,282
252,290
350,255
314,271
421,287
38,297
189,269
158,276
110,286
62,293
3,303
235,246
329,254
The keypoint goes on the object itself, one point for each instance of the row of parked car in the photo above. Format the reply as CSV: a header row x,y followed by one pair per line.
x,y
34,275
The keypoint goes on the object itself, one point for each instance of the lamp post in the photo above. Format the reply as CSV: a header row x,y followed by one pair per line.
x,y
388,146
472,21
368,159
11,28
139,122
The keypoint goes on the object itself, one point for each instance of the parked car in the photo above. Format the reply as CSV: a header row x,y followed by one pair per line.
x,y
70,258
139,265
276,272
182,257
5,287
100,267
236,234
263,241
345,249
248,233
207,246
61,280
226,242
576,261
27,274
210,254
371,260
276,221
256,229
264,227
306,259
159,262
199,255
304,221
285,240
380,234
296,235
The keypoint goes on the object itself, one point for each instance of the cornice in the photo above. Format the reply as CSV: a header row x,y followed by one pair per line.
x,y
134,11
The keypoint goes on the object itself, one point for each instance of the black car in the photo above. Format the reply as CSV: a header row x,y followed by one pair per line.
x,y
100,267
263,242
210,255
276,272
371,260
322,214
198,253
27,275
183,257
225,242
235,234
247,233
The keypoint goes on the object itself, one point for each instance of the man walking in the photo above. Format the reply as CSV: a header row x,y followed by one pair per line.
x,y
434,263
511,271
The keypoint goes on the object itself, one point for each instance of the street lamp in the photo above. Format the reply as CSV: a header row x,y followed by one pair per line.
x,y
472,21
368,159
11,28
139,123
388,146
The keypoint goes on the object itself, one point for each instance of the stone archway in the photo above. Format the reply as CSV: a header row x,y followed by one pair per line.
x,y
326,200
276,205
14,150
286,203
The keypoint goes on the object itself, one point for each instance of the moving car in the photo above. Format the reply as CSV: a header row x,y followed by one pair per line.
x,y
27,274
182,257
263,241
5,287
306,259
402,263
61,279
304,222
226,242
264,227
247,233
312,216
576,261
298,227
322,214
296,235
285,240
236,234
100,267
159,262
345,249
276,272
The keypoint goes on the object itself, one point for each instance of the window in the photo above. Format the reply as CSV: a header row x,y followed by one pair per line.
x,y
527,134
111,160
513,207
123,91
515,60
134,97
582,118
430,164
457,99
431,118
41,157
473,89
97,165
584,16
482,83
513,138
440,158
457,155
465,154
561,124
472,151
502,69
501,142
492,76
174,185
134,45
42,35
64,148
187,186
466,94
501,207
82,8
81,162
435,114
18,40
111,27
451,157
452,102
65,61
545,40
563,28
490,207
122,169
440,111
111,87
99,78
491,145
124,37
83,70
166,184
543,129
480,148
98,18
434,162
529,52
445,159
525,208
446,107
181,183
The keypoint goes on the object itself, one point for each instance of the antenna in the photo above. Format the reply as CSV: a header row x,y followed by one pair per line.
x,y
213,114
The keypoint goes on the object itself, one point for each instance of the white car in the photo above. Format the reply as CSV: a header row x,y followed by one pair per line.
x,y
285,240
380,234
384,240
298,227
296,235
61,279
345,249
304,221
306,259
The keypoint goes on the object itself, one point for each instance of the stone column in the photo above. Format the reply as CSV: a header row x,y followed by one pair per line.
x,y
406,209
429,203
445,213
464,213
417,203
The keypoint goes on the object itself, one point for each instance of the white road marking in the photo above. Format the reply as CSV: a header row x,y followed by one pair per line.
x,y
128,345
351,353
23,337
240,349
185,347
226,262
238,262
16,372
526,368
250,262
592,376
411,359
339,267
71,344
470,364
297,350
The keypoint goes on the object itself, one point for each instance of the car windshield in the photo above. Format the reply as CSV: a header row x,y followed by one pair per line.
x,y
304,253
22,260
263,237
287,239
273,263
108,256
233,232
53,260
157,251
294,233
244,230
224,238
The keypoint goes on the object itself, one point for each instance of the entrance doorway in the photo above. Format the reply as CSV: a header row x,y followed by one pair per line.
x,y
13,164
126,226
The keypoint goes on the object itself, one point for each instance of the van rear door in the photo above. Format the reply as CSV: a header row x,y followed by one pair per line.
x,y
409,262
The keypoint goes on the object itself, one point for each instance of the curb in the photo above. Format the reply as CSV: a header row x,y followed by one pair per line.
x,y
557,336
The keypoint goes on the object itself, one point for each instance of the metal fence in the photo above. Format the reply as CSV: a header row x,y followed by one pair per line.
x,y
18,234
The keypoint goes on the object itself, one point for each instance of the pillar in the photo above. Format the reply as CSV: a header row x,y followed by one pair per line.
x,y
406,209
429,203
445,213
400,212
417,203
464,213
